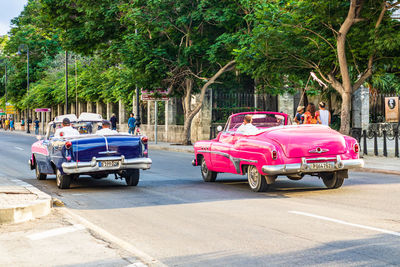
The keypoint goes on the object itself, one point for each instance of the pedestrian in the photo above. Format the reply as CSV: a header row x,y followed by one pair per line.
x,y
132,124
22,124
324,114
113,121
311,116
12,124
36,122
7,124
299,118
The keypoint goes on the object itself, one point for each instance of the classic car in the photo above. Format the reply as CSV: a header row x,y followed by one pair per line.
x,y
89,153
275,149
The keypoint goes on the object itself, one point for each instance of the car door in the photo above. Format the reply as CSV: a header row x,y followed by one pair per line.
x,y
220,152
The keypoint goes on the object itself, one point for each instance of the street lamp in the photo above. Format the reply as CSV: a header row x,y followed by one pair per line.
x,y
5,79
22,49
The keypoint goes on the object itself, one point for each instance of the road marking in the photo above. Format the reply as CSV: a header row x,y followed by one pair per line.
x,y
55,232
19,148
346,223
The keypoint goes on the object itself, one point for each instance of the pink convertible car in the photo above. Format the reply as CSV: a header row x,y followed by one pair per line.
x,y
274,149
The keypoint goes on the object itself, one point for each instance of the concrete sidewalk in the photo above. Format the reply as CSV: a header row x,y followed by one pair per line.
x,y
387,165
21,202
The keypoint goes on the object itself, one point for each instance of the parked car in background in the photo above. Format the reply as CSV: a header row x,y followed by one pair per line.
x,y
89,153
277,149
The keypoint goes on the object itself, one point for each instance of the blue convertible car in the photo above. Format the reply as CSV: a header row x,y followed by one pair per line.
x,y
89,153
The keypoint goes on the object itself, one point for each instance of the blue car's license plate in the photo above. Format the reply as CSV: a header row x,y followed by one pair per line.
x,y
108,163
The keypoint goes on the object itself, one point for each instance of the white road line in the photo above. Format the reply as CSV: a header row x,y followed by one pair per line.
x,y
19,148
55,232
346,223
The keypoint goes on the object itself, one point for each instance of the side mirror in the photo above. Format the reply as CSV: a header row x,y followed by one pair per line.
x,y
219,128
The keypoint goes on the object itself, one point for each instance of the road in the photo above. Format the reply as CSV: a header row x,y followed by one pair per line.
x,y
177,219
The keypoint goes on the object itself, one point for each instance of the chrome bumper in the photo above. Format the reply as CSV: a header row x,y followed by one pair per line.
x,y
305,167
93,165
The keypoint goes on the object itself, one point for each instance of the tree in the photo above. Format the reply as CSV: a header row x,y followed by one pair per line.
x,y
344,42
184,46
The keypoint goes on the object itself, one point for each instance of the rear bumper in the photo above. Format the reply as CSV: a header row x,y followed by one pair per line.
x,y
94,166
304,167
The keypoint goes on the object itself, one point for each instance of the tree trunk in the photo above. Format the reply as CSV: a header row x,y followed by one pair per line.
x,y
345,113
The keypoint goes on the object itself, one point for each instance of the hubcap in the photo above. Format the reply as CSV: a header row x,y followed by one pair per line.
x,y
253,177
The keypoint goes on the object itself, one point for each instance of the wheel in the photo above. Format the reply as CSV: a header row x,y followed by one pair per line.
x,y
132,177
208,176
332,180
63,180
257,182
39,176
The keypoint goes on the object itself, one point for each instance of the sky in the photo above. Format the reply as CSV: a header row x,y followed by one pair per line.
x,y
9,9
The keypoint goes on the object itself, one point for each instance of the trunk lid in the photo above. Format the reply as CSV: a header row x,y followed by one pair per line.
x,y
84,149
308,141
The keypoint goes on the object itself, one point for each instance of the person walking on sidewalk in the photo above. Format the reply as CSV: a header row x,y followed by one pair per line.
x,y
6,124
12,124
324,115
132,124
36,122
311,116
114,121
22,124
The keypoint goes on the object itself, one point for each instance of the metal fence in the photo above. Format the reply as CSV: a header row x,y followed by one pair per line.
x,y
377,142
226,104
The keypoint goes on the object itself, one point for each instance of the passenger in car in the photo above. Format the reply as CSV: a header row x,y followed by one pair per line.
x,y
247,128
106,129
66,130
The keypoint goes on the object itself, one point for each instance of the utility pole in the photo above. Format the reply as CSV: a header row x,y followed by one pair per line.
x,y
66,82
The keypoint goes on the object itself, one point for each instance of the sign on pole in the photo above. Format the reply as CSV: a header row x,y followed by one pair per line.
x,y
42,109
10,109
2,112
155,95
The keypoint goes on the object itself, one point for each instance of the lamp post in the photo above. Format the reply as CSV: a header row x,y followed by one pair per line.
x,y
5,79
21,49
66,82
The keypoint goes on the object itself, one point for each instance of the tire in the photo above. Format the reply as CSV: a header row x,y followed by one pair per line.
x,y
208,176
332,180
257,182
132,177
39,176
63,180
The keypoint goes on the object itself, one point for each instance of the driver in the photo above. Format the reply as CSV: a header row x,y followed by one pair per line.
x,y
106,129
66,130
247,127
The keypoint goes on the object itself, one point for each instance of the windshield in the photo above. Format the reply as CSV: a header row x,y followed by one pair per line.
x,y
261,121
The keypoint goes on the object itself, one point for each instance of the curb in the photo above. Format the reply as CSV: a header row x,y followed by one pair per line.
x,y
171,148
22,213
372,170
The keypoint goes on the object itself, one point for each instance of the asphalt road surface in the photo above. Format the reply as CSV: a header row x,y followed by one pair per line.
x,y
177,219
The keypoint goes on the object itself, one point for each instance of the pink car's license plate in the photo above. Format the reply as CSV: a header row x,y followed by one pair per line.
x,y
322,165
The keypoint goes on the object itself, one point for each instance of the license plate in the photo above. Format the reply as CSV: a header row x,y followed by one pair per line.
x,y
321,165
109,163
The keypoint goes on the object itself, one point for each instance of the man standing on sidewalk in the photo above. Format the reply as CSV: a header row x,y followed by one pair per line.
x,y
36,126
132,124
114,121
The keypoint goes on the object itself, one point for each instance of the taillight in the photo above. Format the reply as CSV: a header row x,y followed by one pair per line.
x,y
68,144
274,154
356,148
145,139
